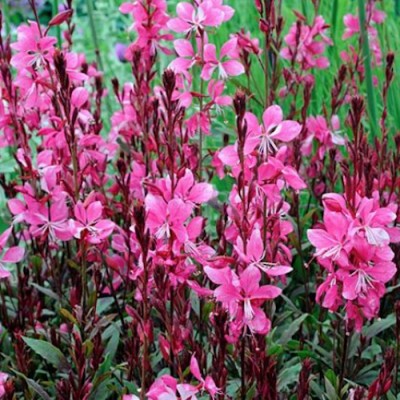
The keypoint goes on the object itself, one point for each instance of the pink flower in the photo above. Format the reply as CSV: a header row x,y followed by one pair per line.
x,y
194,19
11,255
164,218
89,225
166,388
243,296
192,192
368,275
32,48
49,220
374,16
207,384
318,129
333,242
273,128
226,68
187,57
254,255
215,90
373,221
303,45
354,247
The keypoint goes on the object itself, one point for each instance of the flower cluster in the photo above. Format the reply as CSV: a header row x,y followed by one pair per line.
x,y
155,241
353,247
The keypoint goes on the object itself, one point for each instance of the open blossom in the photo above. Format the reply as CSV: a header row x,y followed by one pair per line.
x,y
273,128
191,18
243,296
166,387
167,218
32,48
226,68
304,46
326,136
49,220
254,255
88,223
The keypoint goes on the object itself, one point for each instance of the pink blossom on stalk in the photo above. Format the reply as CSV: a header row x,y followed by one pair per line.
x,y
32,48
165,218
373,220
215,90
326,137
332,242
243,296
273,128
229,67
187,56
374,17
166,388
304,46
254,255
206,384
88,223
11,255
49,220
194,19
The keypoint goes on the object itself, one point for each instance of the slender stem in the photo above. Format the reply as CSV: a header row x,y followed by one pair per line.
x,y
344,357
201,138
243,366
368,69
58,29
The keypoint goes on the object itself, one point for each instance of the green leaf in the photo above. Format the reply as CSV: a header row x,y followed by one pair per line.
x,y
379,326
33,385
292,329
49,352
288,376
46,291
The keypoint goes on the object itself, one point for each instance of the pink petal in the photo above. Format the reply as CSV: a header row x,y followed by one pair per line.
x,y
250,279
228,48
266,292
287,131
194,368
272,117
233,68
79,97
94,211
178,25
255,247
13,255
4,274
185,11
184,48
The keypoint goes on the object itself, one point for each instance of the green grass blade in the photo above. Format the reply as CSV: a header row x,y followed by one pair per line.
x,y
371,104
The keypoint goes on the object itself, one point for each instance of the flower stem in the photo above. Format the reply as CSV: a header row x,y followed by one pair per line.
x,y
344,357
